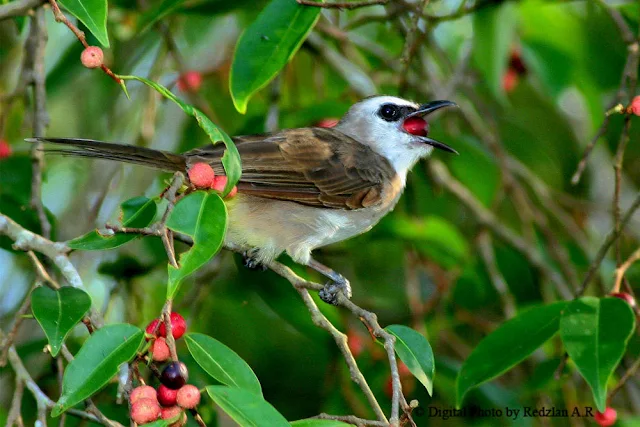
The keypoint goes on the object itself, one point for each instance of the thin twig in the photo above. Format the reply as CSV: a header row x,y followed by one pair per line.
x,y
629,374
622,269
604,248
15,417
412,39
18,318
488,219
42,399
349,419
35,46
18,8
485,245
60,17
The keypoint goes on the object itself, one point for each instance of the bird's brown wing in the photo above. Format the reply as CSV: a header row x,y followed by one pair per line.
x,y
313,166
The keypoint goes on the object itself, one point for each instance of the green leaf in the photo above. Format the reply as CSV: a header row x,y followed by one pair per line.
x,y
434,236
230,159
246,408
97,362
508,345
222,363
58,311
318,423
414,350
93,14
138,212
202,216
595,333
154,14
158,423
266,46
494,30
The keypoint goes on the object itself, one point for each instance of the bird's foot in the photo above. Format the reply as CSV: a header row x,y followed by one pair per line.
x,y
251,261
329,293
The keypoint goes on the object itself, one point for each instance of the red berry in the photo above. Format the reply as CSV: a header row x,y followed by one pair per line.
x,y
606,418
403,370
635,105
178,326
92,57
5,149
142,392
355,343
152,328
626,297
201,175
188,396
160,350
416,126
510,80
145,411
190,81
388,388
327,123
232,193
166,396
174,375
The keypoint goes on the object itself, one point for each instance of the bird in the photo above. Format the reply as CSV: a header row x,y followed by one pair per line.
x,y
304,188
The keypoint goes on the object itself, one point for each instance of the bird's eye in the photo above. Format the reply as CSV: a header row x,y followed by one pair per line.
x,y
389,112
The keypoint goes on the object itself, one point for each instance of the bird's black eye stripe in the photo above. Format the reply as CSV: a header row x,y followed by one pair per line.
x,y
392,112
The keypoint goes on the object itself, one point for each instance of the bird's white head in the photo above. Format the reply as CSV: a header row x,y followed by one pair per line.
x,y
394,127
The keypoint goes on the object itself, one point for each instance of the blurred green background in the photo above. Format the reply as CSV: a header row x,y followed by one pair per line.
x,y
533,80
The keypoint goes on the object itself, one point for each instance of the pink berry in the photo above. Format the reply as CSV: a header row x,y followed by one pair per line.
x,y
232,193
160,350
5,149
219,183
145,411
166,396
171,412
606,418
355,342
201,175
416,126
142,392
92,57
178,326
626,297
190,81
188,396
635,105
510,80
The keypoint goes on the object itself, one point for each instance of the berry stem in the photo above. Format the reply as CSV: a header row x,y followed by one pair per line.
x,y
166,318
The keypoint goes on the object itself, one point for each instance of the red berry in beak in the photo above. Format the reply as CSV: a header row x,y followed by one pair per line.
x,y
416,126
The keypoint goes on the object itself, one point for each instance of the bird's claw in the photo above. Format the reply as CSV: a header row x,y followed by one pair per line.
x,y
251,262
329,293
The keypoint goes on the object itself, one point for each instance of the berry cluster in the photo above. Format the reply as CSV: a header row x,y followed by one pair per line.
x,y
201,175
174,395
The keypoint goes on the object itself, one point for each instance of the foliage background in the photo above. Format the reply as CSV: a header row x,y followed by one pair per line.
x,y
424,265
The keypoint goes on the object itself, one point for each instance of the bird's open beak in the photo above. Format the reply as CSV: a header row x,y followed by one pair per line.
x,y
426,109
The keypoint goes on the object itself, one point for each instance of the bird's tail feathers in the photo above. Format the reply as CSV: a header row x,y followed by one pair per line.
x,y
156,159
